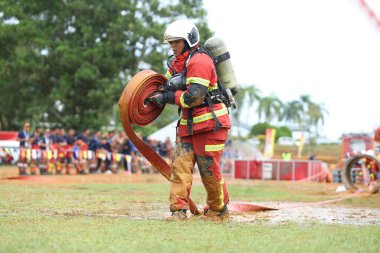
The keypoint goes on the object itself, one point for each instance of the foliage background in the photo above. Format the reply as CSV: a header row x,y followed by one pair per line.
x,y
66,63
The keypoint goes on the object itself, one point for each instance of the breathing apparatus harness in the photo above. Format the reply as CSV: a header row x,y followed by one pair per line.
x,y
220,95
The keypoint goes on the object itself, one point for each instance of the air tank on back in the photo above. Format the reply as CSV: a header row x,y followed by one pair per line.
x,y
224,68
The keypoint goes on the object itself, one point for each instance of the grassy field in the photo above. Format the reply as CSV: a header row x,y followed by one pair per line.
x,y
41,233
124,213
329,153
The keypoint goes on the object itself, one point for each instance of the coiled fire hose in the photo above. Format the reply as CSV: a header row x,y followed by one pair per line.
x,y
134,109
351,173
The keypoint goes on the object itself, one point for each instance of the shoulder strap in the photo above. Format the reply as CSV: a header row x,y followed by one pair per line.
x,y
208,99
191,54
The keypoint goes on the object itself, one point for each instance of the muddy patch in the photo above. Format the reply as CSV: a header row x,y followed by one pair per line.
x,y
309,213
287,212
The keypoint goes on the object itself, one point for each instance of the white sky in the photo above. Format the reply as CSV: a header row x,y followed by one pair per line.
x,y
328,49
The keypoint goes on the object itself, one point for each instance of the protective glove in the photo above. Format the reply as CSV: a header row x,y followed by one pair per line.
x,y
177,82
158,99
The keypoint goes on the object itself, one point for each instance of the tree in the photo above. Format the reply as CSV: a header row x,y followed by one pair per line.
x,y
67,62
313,114
246,96
259,130
292,113
270,107
316,115
253,95
283,131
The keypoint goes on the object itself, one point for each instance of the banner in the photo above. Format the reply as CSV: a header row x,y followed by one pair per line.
x,y
34,154
270,135
302,142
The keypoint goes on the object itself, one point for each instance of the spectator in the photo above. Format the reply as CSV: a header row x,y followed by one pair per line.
x,y
52,151
94,148
105,147
70,141
2,156
36,153
59,143
286,156
79,162
5,156
115,145
84,136
24,138
313,156
128,150
44,143
168,149
55,135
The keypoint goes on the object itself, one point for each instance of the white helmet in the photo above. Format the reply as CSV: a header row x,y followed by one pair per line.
x,y
182,29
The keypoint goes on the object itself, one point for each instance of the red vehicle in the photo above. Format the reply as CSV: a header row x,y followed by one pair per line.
x,y
361,169
353,144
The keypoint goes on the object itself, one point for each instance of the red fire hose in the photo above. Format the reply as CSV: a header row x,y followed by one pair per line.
x,y
134,110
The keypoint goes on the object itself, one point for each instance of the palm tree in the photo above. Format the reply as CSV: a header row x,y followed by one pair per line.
x,y
246,97
239,100
270,107
316,114
305,101
293,112
253,94
313,114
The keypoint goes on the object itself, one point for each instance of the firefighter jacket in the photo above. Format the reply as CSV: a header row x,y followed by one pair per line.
x,y
201,77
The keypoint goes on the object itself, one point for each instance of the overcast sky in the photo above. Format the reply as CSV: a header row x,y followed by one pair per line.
x,y
327,49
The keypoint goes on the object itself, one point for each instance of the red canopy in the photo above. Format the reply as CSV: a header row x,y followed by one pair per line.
x,y
8,136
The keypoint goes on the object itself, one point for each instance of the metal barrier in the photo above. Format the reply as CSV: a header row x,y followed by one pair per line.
x,y
293,170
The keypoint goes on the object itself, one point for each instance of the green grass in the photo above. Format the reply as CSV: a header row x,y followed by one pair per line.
x,y
39,233
78,218
329,153
105,197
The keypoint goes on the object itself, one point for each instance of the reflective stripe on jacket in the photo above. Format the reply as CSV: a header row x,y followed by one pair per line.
x,y
200,73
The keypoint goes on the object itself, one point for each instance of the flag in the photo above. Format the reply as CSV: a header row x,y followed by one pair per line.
x,y
302,142
270,134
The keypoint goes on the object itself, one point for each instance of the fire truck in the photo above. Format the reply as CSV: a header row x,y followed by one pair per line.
x,y
352,144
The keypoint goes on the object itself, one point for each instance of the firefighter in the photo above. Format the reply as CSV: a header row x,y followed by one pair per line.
x,y
24,138
203,126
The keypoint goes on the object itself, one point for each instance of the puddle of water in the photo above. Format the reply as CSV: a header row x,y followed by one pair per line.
x,y
288,212
307,212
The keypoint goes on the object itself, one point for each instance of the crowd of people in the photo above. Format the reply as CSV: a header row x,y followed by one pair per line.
x,y
55,151
5,156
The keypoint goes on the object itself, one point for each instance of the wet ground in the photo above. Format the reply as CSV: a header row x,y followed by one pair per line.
x,y
287,212
307,212
320,212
